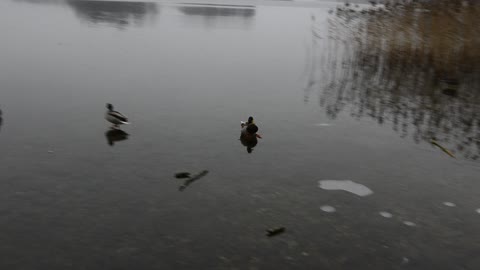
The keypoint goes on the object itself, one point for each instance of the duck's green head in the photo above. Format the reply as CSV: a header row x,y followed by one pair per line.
x,y
109,107
250,120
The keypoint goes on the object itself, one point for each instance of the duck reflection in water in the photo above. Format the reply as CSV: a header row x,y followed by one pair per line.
x,y
249,136
250,143
115,135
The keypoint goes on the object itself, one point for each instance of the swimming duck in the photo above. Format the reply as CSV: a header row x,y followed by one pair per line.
x,y
249,128
115,117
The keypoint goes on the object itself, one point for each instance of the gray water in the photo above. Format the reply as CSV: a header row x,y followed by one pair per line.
x,y
72,197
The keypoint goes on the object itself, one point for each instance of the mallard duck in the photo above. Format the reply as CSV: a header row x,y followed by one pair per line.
x,y
249,128
115,117
250,121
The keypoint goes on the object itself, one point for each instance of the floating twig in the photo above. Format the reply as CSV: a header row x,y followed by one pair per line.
x,y
442,148
275,231
191,180
182,175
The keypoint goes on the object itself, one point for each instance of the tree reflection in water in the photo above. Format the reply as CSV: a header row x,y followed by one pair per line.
x,y
218,15
117,13
415,66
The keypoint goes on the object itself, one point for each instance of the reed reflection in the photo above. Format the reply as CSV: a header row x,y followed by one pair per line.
x,y
415,66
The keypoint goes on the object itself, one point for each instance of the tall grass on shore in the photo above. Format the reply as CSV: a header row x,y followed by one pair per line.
x,y
414,64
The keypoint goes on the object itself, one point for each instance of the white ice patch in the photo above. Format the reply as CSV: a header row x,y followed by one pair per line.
x,y
346,185
322,125
449,204
385,214
328,208
409,223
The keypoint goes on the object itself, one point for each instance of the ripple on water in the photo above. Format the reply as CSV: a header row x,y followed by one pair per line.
x,y
449,204
346,185
478,210
385,214
328,208
409,223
